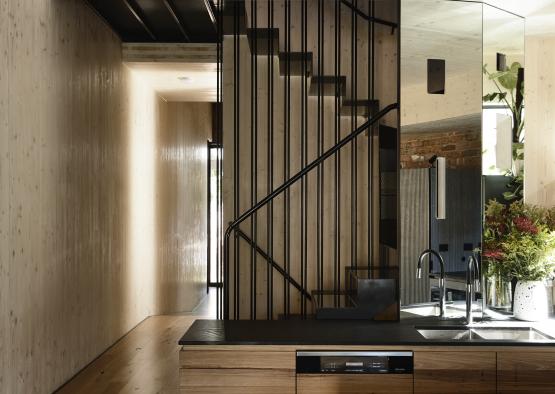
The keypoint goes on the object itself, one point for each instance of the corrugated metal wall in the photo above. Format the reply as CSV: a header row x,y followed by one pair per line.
x,y
414,234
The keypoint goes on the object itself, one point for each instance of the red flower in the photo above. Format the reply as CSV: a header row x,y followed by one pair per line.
x,y
495,255
525,225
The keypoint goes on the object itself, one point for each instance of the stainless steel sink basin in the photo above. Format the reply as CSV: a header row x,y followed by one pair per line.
x,y
511,334
439,334
464,333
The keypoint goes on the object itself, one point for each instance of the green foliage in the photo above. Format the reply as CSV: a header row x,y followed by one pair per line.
x,y
519,241
506,83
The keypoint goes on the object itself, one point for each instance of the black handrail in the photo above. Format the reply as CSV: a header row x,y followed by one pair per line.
x,y
286,185
369,18
273,263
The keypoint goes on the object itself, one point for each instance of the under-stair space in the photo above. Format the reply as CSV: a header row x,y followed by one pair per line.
x,y
303,80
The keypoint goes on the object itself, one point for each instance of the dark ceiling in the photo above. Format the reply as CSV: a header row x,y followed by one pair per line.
x,y
159,20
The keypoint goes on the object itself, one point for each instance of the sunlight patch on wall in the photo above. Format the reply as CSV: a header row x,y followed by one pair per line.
x,y
143,111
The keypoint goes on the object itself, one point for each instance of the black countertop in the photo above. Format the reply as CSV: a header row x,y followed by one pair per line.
x,y
327,332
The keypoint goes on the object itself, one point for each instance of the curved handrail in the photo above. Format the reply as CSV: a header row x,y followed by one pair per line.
x,y
315,163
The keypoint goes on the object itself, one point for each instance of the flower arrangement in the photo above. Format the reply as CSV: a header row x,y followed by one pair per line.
x,y
519,241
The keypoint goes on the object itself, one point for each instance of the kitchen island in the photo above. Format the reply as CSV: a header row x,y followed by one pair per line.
x,y
444,356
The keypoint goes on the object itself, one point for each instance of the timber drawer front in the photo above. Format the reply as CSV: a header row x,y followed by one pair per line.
x,y
237,372
432,370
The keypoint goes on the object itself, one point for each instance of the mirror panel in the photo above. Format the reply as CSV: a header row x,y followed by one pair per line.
x,y
445,125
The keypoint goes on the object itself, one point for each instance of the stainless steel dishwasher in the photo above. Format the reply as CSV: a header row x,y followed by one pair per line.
x,y
348,372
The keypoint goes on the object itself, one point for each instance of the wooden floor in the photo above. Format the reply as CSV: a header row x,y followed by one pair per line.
x,y
144,361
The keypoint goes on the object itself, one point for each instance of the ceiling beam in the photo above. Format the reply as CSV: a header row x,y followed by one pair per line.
x,y
177,18
169,53
138,14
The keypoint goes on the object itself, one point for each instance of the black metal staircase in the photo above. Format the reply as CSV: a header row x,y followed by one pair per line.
x,y
310,127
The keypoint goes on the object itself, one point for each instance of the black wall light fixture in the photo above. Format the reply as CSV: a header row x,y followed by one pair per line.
x,y
436,76
501,62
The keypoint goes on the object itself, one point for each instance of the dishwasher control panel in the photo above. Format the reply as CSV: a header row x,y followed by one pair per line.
x,y
337,362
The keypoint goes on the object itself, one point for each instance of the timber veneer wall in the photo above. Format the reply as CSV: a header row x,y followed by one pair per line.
x,y
79,223
181,186
539,155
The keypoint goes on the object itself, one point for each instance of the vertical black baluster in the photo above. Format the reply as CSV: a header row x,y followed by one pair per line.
x,y
270,161
319,149
318,262
322,142
253,256
255,219
336,265
302,213
237,88
287,254
371,145
304,126
218,43
354,190
285,115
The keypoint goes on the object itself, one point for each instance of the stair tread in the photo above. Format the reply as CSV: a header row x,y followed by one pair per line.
x,y
361,107
296,60
329,85
267,41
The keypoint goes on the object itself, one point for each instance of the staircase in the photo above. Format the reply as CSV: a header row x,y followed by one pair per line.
x,y
310,90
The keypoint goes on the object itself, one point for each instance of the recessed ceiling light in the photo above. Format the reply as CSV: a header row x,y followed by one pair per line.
x,y
185,79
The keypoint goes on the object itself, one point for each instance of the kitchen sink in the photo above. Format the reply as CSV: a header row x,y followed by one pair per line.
x,y
444,333
464,333
511,334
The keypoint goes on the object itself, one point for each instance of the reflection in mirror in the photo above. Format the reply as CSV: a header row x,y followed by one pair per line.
x,y
503,138
445,126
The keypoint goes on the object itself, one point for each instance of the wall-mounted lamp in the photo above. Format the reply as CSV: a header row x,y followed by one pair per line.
x,y
436,76
441,186
501,62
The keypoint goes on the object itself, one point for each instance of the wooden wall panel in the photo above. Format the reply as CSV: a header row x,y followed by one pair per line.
x,y
539,156
4,186
181,185
77,133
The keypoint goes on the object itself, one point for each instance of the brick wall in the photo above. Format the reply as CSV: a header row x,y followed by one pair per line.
x,y
462,149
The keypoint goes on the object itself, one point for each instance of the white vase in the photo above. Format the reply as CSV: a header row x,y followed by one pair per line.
x,y
531,301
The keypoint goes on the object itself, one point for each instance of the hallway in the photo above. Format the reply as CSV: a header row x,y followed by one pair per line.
x,y
143,361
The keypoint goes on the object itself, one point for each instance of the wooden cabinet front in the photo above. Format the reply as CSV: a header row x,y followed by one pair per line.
x,y
525,372
454,372
237,371
237,381
354,384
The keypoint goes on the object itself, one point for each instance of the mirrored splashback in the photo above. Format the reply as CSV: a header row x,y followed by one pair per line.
x,y
450,51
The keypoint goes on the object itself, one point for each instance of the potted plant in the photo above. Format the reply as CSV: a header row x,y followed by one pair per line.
x,y
523,248
498,294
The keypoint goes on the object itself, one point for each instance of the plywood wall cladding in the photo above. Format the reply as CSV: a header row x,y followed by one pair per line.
x,y
539,156
255,122
74,171
181,187
4,187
